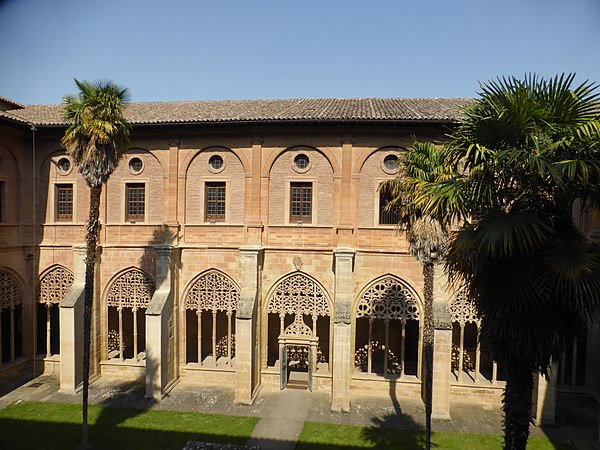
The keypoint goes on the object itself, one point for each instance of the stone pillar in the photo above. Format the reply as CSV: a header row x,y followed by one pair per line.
x,y
71,327
160,329
544,398
342,339
442,346
247,354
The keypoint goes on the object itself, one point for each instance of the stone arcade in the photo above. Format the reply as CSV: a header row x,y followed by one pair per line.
x,y
243,243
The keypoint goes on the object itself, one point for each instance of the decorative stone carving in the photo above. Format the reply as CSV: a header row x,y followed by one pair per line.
x,y
133,289
11,294
342,312
299,294
388,299
298,328
298,263
214,292
463,310
55,285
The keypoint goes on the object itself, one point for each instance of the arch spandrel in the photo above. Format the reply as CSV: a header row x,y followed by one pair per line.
x,y
132,289
11,293
213,291
388,298
299,293
54,285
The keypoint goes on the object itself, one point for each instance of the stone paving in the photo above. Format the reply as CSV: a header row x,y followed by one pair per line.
x,y
283,413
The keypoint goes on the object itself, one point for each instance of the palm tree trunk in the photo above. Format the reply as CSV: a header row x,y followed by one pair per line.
x,y
91,240
428,269
517,405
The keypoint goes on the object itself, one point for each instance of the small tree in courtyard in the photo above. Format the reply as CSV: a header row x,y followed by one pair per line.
x,y
96,138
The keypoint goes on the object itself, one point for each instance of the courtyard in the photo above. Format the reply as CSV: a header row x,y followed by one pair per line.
x,y
36,415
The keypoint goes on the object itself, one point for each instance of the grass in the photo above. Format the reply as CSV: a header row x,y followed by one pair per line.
x,y
32,425
39,426
323,436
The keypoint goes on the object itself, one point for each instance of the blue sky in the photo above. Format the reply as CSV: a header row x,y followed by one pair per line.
x,y
245,49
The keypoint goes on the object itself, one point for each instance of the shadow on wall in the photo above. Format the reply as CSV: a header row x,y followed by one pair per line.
x,y
161,235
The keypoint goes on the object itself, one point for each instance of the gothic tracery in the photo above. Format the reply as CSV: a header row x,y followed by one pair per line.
x,y
213,292
55,285
388,299
463,310
133,289
299,294
11,294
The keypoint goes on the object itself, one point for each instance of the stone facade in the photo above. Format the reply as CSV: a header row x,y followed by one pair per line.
x,y
153,268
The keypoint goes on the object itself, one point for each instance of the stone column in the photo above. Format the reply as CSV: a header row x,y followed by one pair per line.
x,y
544,398
442,346
342,339
247,354
71,327
160,329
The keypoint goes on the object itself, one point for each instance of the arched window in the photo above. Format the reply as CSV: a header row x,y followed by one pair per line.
x,y
210,307
11,318
299,299
54,285
128,298
387,329
469,363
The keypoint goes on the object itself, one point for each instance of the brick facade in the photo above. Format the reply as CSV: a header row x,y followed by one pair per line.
x,y
343,249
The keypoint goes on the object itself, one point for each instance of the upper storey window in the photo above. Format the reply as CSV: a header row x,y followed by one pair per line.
x,y
301,202
135,165
214,207
64,166
387,215
216,163
135,208
64,202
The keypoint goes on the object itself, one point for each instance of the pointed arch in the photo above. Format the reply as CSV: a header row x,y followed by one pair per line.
x,y
127,298
210,304
11,316
131,288
11,291
54,284
299,292
387,331
212,290
388,297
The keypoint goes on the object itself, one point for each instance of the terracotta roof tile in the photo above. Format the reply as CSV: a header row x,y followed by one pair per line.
x,y
303,110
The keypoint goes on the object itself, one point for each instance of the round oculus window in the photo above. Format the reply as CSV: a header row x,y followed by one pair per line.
x,y
64,165
301,161
390,162
135,165
215,162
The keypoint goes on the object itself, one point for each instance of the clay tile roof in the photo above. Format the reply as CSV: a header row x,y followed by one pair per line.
x,y
302,110
10,103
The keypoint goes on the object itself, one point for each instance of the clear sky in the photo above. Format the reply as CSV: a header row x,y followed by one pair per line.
x,y
248,49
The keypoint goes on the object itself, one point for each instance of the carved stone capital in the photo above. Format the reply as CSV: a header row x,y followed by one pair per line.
x,y
342,312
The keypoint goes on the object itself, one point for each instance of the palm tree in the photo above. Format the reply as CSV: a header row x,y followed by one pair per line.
x,y
96,138
427,238
528,150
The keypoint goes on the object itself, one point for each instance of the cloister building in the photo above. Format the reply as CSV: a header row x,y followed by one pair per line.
x,y
242,243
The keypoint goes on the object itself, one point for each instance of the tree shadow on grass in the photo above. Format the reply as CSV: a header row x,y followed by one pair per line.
x,y
120,418
397,430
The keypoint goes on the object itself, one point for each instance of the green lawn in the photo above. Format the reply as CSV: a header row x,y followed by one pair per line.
x,y
39,426
322,436
58,426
